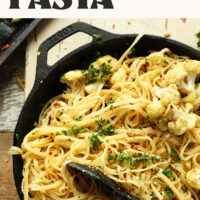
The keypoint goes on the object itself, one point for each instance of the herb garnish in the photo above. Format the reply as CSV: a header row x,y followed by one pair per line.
x,y
91,72
74,130
169,192
174,155
167,172
97,37
104,127
17,136
78,118
95,142
35,133
198,42
93,75
110,157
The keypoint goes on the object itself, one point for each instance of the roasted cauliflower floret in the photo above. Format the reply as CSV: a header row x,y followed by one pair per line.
x,y
181,122
188,84
119,76
107,60
175,74
196,103
170,95
155,110
92,87
193,178
183,74
71,77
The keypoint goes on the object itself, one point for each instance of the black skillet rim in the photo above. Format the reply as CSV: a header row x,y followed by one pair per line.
x,y
43,73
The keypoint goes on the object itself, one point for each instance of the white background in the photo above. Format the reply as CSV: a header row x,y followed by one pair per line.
x,y
122,9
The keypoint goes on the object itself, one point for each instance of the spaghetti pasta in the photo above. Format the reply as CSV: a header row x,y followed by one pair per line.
x,y
136,119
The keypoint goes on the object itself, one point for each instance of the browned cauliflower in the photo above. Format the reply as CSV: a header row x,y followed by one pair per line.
x,y
183,74
92,87
155,109
180,120
119,76
196,102
193,178
168,95
71,77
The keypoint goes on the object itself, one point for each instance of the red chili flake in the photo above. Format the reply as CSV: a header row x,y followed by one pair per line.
x,y
136,148
58,56
129,134
110,87
113,26
5,47
65,48
121,170
132,78
186,169
78,20
56,104
163,79
152,126
50,153
125,179
144,145
132,146
56,36
50,118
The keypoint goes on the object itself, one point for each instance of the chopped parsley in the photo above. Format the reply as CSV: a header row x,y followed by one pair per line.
x,y
97,37
104,127
74,130
105,71
144,158
61,113
146,60
17,136
95,142
198,42
110,157
91,72
174,155
82,130
64,132
78,119
35,133
111,101
131,161
167,172
93,75
169,193
156,158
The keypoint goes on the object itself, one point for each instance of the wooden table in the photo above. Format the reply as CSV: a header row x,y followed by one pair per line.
x,y
12,97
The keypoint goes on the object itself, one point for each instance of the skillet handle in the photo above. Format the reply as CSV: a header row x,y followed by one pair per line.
x,y
43,68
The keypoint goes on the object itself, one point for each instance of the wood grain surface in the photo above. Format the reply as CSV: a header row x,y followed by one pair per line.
x,y
7,186
11,94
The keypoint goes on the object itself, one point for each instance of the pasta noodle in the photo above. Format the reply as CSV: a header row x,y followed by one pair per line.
x,y
126,118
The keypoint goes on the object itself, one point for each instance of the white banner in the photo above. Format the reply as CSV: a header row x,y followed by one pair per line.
x,y
99,8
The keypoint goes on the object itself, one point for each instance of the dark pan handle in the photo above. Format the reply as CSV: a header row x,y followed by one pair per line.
x,y
42,67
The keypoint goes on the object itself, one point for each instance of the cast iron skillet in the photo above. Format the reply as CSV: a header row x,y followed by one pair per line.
x,y
47,83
